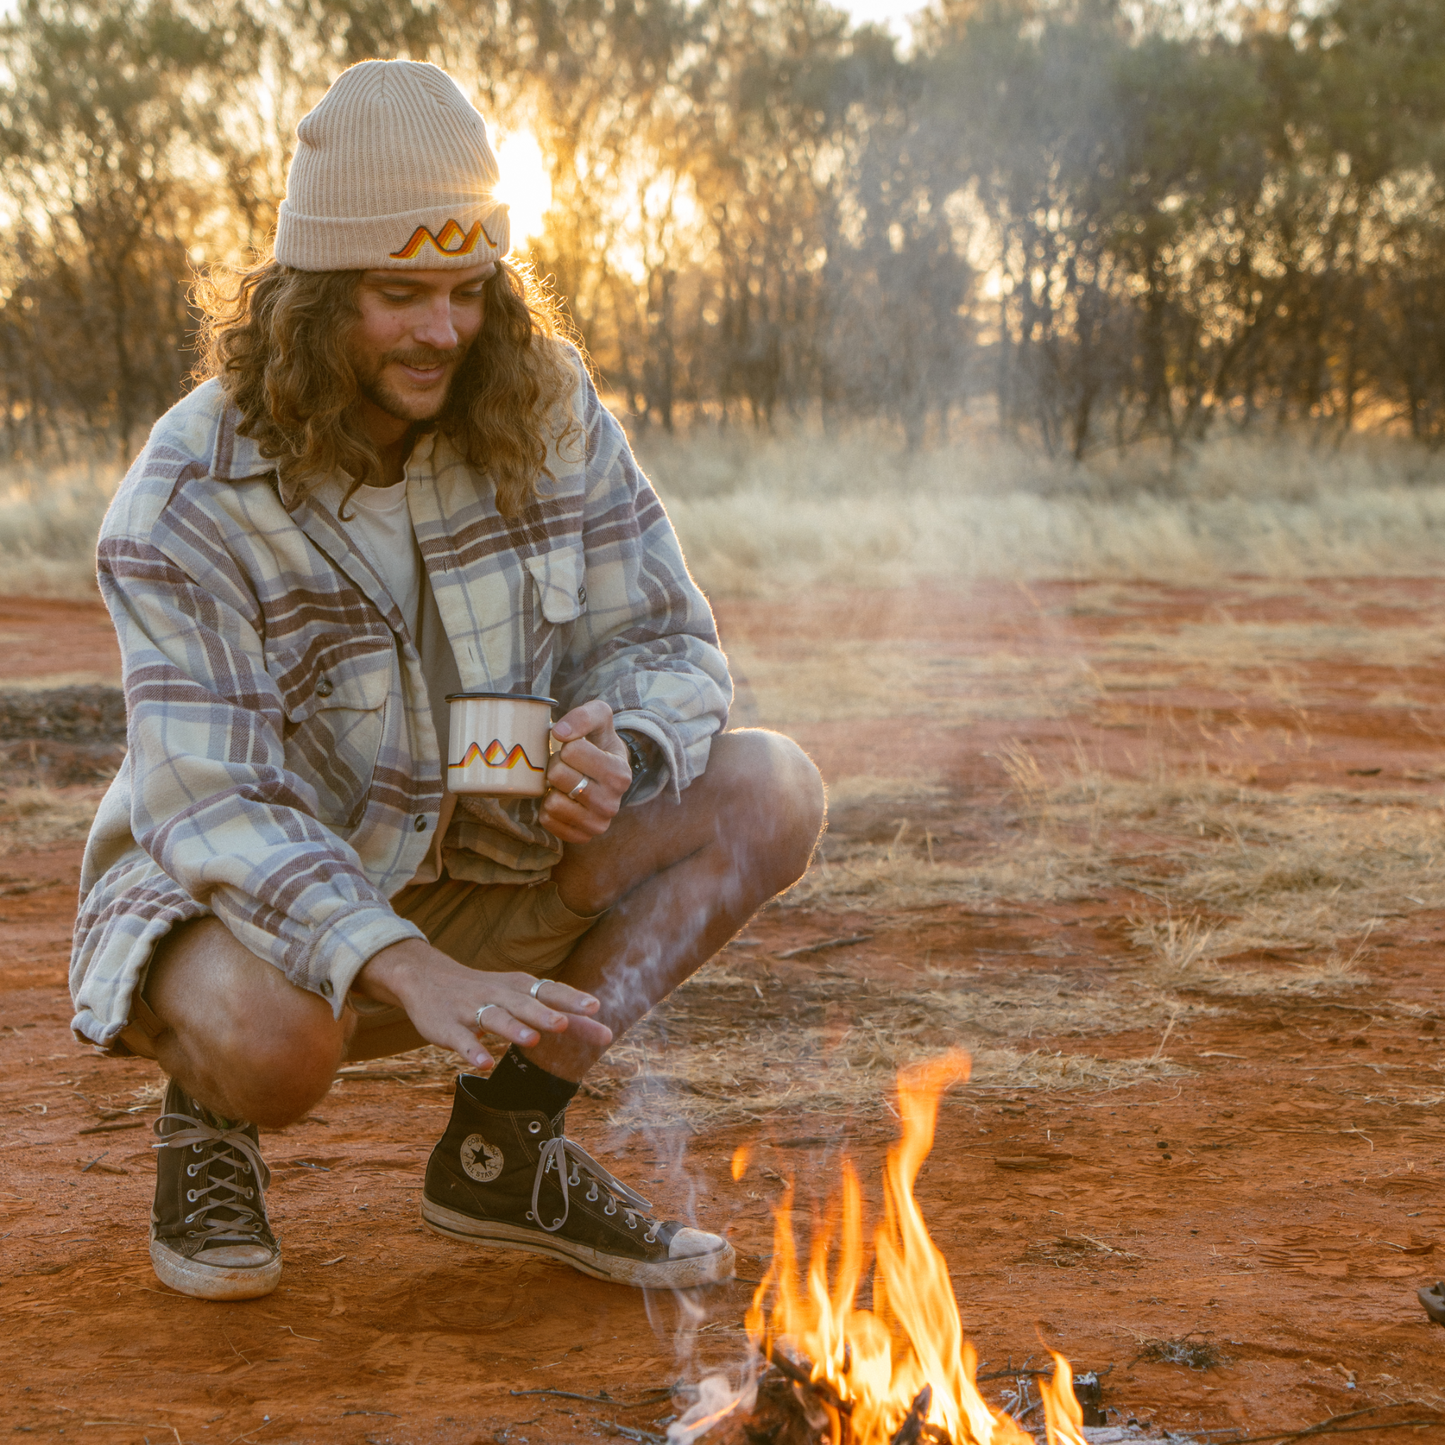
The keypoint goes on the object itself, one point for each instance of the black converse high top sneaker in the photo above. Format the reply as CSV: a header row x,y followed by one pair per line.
x,y
209,1233
513,1180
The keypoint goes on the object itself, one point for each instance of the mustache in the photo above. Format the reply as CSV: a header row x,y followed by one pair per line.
x,y
424,357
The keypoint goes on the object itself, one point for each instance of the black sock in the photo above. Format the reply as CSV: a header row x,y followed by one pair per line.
x,y
516,1083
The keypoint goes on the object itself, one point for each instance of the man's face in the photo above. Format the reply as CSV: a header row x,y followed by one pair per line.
x,y
415,327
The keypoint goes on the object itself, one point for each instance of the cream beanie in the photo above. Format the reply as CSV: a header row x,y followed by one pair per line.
x,y
393,170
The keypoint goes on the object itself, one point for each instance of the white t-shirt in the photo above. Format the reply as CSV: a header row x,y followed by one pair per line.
x,y
380,524
381,527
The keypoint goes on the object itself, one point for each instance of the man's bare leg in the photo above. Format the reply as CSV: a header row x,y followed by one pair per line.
x,y
680,878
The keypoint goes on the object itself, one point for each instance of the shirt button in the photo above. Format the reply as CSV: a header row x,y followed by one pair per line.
x,y
323,688
327,988
420,824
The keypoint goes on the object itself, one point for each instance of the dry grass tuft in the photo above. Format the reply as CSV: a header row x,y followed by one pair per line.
x,y
42,817
1068,1251
1178,944
1190,1350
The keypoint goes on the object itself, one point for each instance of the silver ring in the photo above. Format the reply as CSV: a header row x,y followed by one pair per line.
x,y
483,1010
535,987
579,789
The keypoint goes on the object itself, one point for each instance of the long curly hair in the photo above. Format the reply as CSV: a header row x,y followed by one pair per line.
x,y
277,339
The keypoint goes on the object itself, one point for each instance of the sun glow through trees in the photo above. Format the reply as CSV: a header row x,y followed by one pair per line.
x,y
526,185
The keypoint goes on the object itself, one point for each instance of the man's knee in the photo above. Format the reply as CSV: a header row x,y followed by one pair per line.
x,y
775,795
236,1033
276,1076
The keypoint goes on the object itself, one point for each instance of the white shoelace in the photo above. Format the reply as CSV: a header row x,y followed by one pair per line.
x,y
229,1193
556,1154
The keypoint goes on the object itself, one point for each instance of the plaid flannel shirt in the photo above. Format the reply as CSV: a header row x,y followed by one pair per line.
x,y
282,770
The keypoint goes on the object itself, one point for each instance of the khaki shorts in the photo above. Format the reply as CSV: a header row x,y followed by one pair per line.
x,y
494,927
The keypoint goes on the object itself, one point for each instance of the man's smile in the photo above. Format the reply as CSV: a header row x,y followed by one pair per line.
x,y
424,376
424,369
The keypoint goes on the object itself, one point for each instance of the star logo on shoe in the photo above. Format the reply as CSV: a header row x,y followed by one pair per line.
x,y
480,1160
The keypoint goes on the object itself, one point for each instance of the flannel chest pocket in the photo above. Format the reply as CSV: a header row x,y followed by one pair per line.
x,y
335,697
561,588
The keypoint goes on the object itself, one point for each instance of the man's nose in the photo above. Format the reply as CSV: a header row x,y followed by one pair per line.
x,y
437,329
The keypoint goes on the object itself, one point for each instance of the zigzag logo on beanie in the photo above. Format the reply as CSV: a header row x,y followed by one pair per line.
x,y
451,240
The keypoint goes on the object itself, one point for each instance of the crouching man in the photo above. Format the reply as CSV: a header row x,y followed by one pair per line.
x,y
399,485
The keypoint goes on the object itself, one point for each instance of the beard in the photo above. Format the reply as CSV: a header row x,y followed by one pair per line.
x,y
372,385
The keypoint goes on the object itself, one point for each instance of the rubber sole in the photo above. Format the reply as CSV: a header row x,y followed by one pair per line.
x,y
205,1281
697,1269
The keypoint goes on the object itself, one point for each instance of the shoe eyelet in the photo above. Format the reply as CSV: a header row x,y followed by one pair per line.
x,y
651,1236
632,1221
531,1218
592,1193
611,1207
189,1219
195,1148
190,1196
192,1170
576,1178
250,1194
534,1127
556,1224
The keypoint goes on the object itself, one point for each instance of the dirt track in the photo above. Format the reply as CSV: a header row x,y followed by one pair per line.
x,y
1266,1211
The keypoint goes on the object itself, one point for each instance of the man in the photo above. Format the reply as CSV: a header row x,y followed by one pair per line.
x,y
399,484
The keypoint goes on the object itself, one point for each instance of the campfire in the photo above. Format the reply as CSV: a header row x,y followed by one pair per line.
x,y
827,1372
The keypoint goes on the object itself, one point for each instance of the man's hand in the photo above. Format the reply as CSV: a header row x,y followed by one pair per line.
x,y
590,750
443,999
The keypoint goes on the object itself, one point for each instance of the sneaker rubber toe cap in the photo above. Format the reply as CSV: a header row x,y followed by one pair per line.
x,y
234,1272
690,1243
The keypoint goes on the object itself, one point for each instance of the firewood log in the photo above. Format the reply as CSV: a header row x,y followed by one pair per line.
x,y
780,1417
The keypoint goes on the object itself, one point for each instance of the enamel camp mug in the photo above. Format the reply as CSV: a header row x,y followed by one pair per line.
x,y
500,743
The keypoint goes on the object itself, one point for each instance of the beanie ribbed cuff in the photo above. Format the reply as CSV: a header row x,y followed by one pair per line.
x,y
451,238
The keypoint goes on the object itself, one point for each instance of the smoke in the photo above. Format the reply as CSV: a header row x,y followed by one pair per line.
x,y
717,1398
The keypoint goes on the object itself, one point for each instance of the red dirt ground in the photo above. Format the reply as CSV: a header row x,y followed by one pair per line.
x,y
1279,1205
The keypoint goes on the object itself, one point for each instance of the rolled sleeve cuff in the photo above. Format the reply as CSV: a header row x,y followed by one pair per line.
x,y
345,944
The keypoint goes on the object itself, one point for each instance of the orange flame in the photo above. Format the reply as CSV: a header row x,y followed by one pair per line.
x,y
741,1157
875,1363
1063,1415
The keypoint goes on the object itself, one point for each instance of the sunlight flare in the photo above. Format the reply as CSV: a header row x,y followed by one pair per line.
x,y
526,185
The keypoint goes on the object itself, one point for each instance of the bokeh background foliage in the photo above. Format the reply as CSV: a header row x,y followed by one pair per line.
x,y
1097,223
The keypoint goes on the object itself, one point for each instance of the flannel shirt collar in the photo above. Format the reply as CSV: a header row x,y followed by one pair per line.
x,y
233,456
236,458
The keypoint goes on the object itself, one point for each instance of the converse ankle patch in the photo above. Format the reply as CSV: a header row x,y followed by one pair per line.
x,y
481,1161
